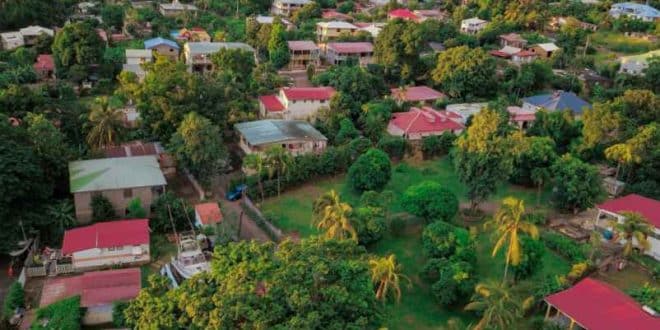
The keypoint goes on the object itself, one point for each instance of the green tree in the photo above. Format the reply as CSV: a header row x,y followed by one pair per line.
x,y
369,223
397,49
558,125
375,117
168,210
371,171
50,146
531,261
63,314
577,185
105,125
234,61
102,209
537,153
76,44
278,51
257,163
386,276
453,280
332,216
463,73
278,162
601,125
15,299
347,131
634,230
497,305
135,209
307,12
118,318
113,15
441,240
430,201
153,307
62,213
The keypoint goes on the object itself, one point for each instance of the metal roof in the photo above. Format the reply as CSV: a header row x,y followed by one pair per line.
x,y
138,53
272,131
213,47
115,173
559,100
155,42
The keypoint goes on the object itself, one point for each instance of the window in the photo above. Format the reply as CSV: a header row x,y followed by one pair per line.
x,y
128,193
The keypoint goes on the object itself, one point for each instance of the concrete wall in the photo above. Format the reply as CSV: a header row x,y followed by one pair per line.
x,y
165,50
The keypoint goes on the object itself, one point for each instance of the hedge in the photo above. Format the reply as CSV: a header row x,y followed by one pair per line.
x,y
565,246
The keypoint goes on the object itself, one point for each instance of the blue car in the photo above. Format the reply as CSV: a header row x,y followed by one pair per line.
x,y
236,193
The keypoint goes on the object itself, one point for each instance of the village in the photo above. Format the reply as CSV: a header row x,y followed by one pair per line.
x,y
324,164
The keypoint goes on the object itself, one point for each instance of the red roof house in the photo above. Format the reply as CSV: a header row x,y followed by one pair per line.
x,y
295,102
207,214
339,52
402,13
595,305
418,123
307,93
270,103
520,117
333,14
416,94
45,66
649,208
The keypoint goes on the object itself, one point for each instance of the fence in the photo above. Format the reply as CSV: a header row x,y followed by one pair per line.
x,y
273,232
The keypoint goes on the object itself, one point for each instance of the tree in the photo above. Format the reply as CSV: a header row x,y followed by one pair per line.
x,y
635,149
558,125
601,125
577,185
453,279
437,145
622,154
640,105
50,146
308,11
537,153
442,240
397,49
62,213
278,161
369,223
278,51
463,73
509,223
197,146
386,276
652,74
135,209
153,307
347,131
634,230
498,307
332,216
15,299
102,209
171,210
105,125
76,44
113,15
256,162
371,171
238,61
430,201
375,117
118,318
531,261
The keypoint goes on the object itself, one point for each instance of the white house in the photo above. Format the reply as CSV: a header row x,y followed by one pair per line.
x,y
287,7
11,40
108,244
134,60
647,207
32,32
473,25
636,64
176,8
635,10
295,103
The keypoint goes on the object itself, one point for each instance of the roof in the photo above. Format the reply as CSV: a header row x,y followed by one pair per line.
x,y
94,288
294,2
270,19
105,235
337,25
636,9
155,42
512,37
402,13
44,62
640,57
35,30
599,306
548,47
559,100
273,131
308,93
473,20
424,120
271,103
518,114
17,36
649,208
525,53
176,5
351,47
209,213
300,45
134,148
416,93
213,47
138,53
115,173
334,14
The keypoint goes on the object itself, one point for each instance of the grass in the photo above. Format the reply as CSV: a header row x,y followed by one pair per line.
x,y
417,310
618,42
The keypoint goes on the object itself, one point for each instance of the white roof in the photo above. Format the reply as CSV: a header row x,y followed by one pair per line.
x,y
548,47
337,25
138,53
36,30
176,5
510,50
294,2
473,20
12,36
269,20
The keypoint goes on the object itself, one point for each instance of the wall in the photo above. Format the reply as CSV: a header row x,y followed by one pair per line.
x,y
100,258
116,197
165,50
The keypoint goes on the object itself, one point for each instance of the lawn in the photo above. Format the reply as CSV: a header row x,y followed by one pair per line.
x,y
417,310
618,42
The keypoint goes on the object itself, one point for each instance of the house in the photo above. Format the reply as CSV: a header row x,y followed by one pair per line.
x,y
473,25
85,8
334,15
139,148
303,53
636,64
556,101
331,30
296,136
163,47
420,122
98,291
513,40
435,14
108,244
520,118
44,67
647,207
594,305
544,50
465,110
402,14
287,7
557,22
32,33
523,56
416,94
197,55
142,4
176,8
339,52
270,19
11,40
120,180
372,28
138,29
135,58
195,34
635,10
301,103
207,214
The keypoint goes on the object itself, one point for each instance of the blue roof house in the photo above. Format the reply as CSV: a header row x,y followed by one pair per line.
x,y
556,101
163,47
635,10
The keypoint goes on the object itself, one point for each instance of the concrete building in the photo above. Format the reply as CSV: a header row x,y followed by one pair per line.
x,y
197,55
135,58
636,64
120,180
287,7
176,8
296,136
339,52
303,53
163,47
544,50
32,33
11,40
331,30
299,103
473,25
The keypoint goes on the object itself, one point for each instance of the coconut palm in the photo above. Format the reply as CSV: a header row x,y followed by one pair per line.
x,y
386,275
622,154
499,308
257,163
509,224
105,125
331,215
278,160
634,231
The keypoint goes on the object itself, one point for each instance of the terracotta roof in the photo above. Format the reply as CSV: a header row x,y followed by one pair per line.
x,y
518,114
302,45
271,103
351,47
209,213
416,93
105,235
308,93
499,53
402,13
599,306
44,62
525,53
649,208
512,37
425,120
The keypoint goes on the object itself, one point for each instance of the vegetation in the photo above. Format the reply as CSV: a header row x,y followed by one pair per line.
x,y
332,216
64,314
102,209
14,299
371,171
430,201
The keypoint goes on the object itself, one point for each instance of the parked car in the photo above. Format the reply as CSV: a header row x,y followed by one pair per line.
x,y
236,193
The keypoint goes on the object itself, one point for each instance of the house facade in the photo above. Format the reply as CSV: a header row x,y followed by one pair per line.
x,y
296,136
287,7
642,12
11,40
303,53
120,180
339,52
176,8
473,25
197,55
636,64
163,47
31,34
108,244
418,123
135,58
513,40
544,50
331,30
295,103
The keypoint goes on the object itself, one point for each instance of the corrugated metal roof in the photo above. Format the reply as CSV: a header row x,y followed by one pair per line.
x,y
115,173
213,47
272,131
155,42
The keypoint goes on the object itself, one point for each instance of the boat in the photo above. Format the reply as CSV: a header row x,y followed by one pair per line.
x,y
190,259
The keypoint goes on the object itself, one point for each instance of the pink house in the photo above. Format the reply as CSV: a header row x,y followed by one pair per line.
x,y
422,94
403,14
418,123
340,52
295,103
45,67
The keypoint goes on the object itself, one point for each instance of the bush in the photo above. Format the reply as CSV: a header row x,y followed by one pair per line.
x,y
118,318
430,201
15,299
443,240
437,145
370,171
64,314
369,222
181,212
454,280
648,295
135,209
536,218
532,258
565,246
394,146
102,209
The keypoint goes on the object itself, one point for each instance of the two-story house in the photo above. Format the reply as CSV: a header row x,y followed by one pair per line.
x,y
512,40
135,58
295,103
287,7
473,25
340,52
296,136
197,55
303,53
163,47
120,180
331,30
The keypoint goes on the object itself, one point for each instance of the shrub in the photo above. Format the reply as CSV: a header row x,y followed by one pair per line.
x,y
369,222
437,145
454,280
563,245
443,240
180,211
370,171
532,258
15,298
394,146
118,318
102,209
135,209
64,314
549,285
430,201
536,218
648,295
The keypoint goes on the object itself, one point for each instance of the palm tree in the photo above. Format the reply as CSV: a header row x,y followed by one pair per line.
x,y
331,215
498,307
509,223
635,227
622,154
257,163
106,125
62,214
386,275
277,160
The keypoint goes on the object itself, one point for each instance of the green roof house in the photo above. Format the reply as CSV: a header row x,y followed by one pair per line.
x,y
120,180
296,136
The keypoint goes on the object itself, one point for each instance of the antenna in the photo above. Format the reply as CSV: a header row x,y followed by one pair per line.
x,y
176,236
188,217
